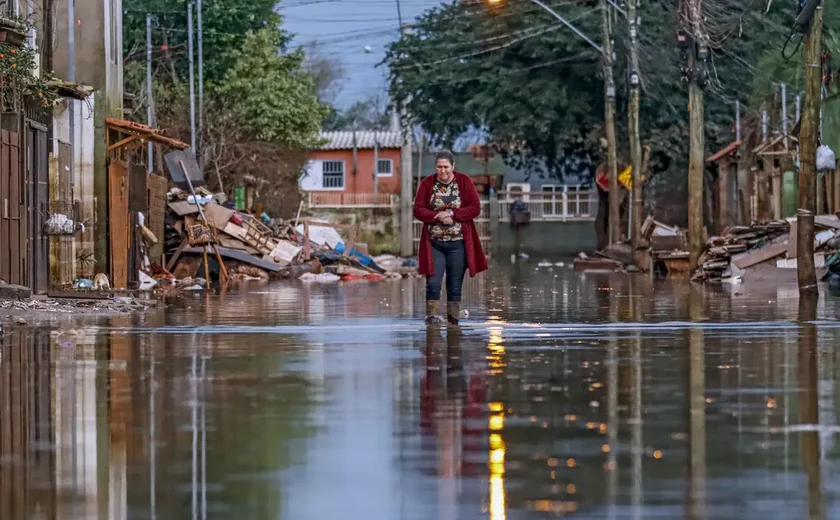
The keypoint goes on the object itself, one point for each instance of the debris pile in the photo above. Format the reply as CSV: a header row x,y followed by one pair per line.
x,y
773,244
207,239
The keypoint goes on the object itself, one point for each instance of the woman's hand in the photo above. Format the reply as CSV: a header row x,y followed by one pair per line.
x,y
447,221
443,215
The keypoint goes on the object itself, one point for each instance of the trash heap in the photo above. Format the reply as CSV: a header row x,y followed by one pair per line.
x,y
772,245
241,246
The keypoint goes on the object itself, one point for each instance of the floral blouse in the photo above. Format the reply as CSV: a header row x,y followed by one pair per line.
x,y
446,197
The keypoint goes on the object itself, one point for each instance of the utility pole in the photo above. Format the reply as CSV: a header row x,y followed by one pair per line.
x,y
808,137
190,37
199,6
697,54
71,77
150,147
633,124
609,123
406,179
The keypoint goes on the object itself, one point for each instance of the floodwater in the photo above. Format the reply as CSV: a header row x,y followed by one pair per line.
x,y
586,396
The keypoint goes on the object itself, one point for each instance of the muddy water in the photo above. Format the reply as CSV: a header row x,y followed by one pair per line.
x,y
590,396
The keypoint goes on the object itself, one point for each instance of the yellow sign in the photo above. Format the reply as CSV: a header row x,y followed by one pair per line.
x,y
626,178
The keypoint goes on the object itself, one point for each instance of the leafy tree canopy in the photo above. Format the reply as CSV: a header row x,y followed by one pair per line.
x,y
364,115
536,86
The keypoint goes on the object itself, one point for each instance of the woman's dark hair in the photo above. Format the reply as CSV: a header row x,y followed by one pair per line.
x,y
445,155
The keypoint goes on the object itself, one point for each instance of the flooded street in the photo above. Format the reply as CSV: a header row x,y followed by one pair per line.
x,y
589,396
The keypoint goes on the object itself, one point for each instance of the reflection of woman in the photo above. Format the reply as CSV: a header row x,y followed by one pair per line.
x,y
447,204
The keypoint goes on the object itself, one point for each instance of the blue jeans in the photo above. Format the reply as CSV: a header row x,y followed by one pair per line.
x,y
449,258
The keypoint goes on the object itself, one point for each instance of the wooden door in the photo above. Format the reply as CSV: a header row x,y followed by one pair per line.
x,y
118,222
12,268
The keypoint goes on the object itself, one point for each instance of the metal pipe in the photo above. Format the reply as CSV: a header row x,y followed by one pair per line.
x,y
200,82
784,114
737,120
763,126
71,78
149,146
190,37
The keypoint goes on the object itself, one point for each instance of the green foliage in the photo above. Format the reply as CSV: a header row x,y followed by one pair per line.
x,y
536,86
367,115
225,23
18,65
270,93
261,109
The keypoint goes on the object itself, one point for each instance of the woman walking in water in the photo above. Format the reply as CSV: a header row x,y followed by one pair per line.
x,y
447,204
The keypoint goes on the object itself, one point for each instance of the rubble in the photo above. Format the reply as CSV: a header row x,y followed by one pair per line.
x,y
234,245
729,258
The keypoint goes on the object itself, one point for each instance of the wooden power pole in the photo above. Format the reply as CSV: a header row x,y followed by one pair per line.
x,y
609,123
633,125
697,54
808,136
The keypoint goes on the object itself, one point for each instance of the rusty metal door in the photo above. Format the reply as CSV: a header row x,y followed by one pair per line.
x,y
12,268
38,178
118,222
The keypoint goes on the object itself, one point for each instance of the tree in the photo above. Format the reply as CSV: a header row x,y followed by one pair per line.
x,y
535,85
326,72
268,94
225,23
364,115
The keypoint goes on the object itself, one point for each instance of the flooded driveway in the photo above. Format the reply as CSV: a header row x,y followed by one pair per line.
x,y
589,396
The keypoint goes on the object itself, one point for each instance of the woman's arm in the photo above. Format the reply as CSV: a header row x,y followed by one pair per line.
x,y
470,203
421,209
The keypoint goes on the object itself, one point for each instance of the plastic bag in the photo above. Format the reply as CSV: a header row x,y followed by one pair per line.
x,y
825,159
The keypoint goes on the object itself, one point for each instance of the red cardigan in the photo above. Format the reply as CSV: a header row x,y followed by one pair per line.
x,y
469,210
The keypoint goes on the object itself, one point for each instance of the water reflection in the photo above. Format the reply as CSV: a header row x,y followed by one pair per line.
x,y
590,396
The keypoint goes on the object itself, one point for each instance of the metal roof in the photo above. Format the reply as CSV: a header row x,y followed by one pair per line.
x,y
365,139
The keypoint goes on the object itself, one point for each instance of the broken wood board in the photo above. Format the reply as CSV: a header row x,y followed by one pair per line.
x,y
240,256
217,215
232,243
756,257
791,263
183,208
234,230
596,264
792,240
828,221
667,243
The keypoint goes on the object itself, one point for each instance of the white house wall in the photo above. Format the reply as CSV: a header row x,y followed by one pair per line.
x,y
83,169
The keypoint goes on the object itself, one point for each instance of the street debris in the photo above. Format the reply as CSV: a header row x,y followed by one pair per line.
x,y
730,257
230,245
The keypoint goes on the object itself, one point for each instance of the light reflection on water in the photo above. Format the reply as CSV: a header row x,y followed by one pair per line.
x,y
592,396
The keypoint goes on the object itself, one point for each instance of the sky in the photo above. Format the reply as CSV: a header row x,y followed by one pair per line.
x,y
343,28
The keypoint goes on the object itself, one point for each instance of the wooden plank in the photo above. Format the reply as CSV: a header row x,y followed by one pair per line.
x,y
183,208
792,237
829,221
752,258
5,252
118,223
240,256
218,215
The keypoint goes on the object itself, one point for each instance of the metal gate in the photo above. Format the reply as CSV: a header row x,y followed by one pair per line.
x,y
12,241
38,178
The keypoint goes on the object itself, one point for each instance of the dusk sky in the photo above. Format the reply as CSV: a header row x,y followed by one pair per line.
x,y
343,28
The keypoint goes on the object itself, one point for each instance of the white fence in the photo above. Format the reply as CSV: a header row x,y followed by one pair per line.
x,y
570,204
342,199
